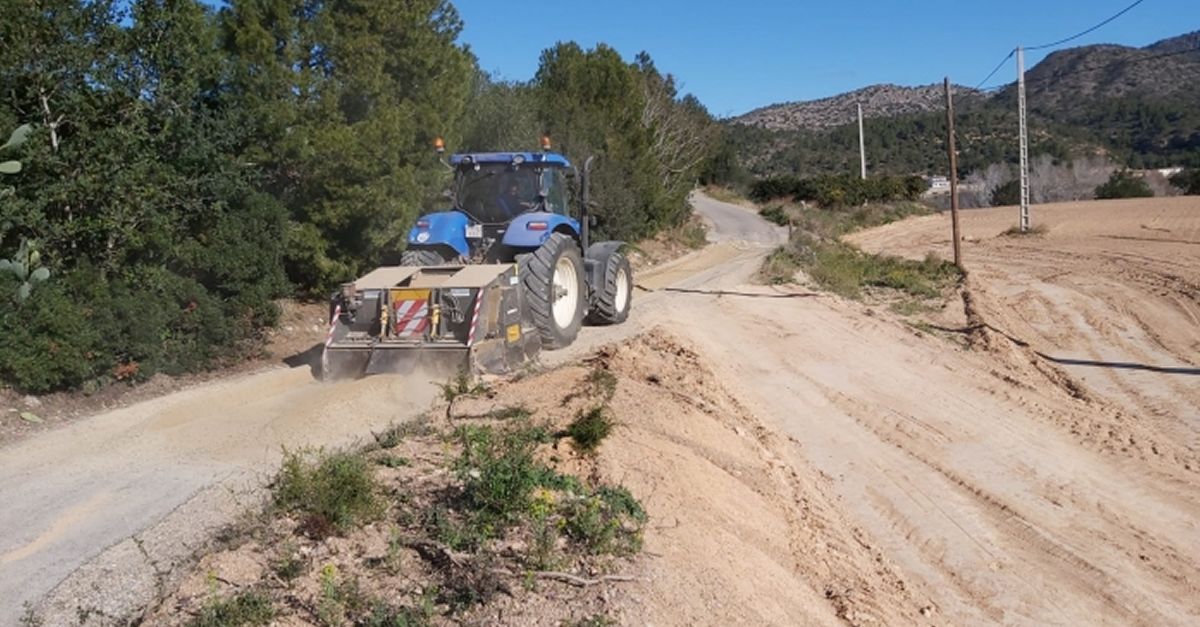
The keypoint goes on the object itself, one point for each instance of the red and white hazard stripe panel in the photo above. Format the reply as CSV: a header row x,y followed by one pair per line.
x,y
475,318
337,312
410,317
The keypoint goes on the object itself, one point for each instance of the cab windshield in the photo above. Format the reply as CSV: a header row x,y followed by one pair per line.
x,y
497,193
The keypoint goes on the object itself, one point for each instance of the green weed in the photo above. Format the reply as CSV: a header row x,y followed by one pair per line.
x,y
498,468
392,461
461,385
1035,230
518,412
590,428
780,267
246,608
332,492
290,564
602,382
341,598
607,521
776,214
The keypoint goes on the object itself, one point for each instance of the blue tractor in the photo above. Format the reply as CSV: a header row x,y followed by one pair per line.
x,y
512,207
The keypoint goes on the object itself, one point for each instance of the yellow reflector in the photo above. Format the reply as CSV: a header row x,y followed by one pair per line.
x,y
513,332
409,294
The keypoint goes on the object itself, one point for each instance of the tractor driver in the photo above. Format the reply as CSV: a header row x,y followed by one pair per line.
x,y
510,199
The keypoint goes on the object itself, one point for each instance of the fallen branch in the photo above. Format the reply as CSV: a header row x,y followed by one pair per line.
x,y
576,580
436,554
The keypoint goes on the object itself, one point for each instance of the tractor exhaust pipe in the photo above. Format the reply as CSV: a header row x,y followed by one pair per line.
x,y
585,199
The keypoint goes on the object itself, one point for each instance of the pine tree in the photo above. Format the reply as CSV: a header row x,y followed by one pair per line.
x,y
345,99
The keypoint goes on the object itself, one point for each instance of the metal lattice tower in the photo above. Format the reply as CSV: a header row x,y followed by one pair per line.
x,y
1024,134
862,146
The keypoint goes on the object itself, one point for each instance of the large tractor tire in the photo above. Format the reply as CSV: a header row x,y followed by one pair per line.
x,y
555,289
614,295
422,257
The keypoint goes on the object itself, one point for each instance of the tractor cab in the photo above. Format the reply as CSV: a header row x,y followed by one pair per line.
x,y
504,203
494,188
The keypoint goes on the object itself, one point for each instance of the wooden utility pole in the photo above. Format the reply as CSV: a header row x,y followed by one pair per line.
x,y
862,145
950,149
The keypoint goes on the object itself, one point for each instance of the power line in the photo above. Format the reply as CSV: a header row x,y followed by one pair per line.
x,y
1092,29
997,69
1056,76
1057,43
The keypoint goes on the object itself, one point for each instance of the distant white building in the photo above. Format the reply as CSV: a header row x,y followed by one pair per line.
x,y
937,185
1166,173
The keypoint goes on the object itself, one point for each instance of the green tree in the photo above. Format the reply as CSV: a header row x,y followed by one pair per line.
x,y
1123,184
160,247
500,116
1007,194
650,142
1188,181
341,102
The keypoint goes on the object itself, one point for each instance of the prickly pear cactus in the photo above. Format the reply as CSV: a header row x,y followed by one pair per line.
x,y
17,138
26,267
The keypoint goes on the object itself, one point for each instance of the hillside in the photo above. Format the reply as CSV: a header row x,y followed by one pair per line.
x,y
877,101
1189,42
1139,106
1166,69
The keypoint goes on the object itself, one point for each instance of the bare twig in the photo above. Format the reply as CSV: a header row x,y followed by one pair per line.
x,y
436,553
576,580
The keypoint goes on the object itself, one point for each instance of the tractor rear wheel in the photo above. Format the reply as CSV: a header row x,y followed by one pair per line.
x,y
554,289
422,257
615,295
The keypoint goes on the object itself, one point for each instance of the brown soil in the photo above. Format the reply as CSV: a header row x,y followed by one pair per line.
x,y
775,548
1108,291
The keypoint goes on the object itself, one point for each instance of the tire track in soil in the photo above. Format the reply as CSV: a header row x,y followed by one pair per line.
x,y
1037,547
1005,517
837,558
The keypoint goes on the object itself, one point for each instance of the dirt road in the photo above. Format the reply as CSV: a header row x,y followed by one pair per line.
x,y
863,471
118,498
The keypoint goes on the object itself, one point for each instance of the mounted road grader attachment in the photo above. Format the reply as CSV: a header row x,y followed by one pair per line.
x,y
441,319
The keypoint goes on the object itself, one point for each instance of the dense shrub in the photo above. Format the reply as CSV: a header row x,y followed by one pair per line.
x,y
839,191
1007,194
1188,181
1123,184
83,329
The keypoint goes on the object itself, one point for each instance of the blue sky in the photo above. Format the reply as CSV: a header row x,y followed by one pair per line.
x,y
736,56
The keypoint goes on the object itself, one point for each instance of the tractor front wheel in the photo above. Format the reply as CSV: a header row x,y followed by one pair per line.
x,y
554,289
